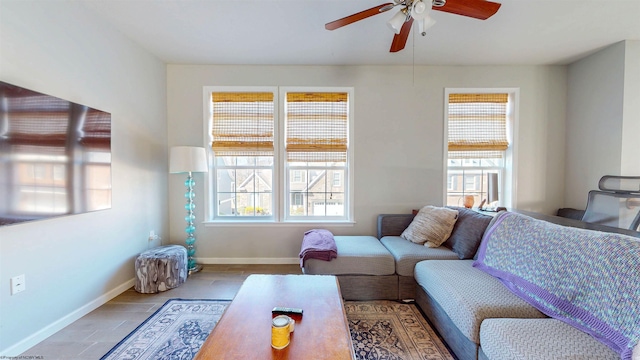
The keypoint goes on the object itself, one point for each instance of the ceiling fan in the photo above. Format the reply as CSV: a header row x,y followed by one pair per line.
x,y
419,10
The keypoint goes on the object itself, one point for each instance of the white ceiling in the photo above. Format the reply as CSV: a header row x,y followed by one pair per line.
x,y
291,32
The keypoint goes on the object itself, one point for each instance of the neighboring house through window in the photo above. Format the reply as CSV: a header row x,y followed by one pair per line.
x,y
479,127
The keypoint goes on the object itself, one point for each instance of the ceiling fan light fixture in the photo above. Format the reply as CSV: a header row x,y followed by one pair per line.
x,y
419,11
418,8
425,24
397,21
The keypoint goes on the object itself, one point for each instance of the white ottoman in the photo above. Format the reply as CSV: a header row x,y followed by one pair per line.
x,y
161,269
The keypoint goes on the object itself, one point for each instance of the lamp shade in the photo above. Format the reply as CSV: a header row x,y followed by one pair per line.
x,y
425,24
420,12
183,159
397,21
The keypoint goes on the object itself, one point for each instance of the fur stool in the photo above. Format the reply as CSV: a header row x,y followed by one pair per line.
x,y
161,269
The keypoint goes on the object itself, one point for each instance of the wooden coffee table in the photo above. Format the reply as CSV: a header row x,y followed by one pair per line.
x,y
244,330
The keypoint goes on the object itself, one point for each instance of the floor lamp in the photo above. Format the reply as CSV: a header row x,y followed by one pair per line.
x,y
189,159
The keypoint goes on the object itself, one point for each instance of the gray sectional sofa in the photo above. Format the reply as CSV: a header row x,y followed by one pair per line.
x,y
370,268
476,315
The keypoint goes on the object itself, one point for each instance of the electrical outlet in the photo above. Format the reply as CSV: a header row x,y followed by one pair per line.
x,y
18,284
152,235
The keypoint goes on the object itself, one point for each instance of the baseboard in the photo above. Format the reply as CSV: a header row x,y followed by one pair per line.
x,y
61,323
249,261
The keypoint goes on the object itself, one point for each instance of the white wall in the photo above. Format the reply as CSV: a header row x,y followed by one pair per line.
x,y
603,119
74,264
630,158
398,143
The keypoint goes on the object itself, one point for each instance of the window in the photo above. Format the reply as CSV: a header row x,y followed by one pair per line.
x,y
471,183
242,141
298,176
296,150
478,129
337,179
316,144
297,200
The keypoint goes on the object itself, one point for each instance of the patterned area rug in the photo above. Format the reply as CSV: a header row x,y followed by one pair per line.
x,y
176,331
380,330
391,330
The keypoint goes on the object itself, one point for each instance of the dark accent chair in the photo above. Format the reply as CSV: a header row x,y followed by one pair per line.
x,y
616,204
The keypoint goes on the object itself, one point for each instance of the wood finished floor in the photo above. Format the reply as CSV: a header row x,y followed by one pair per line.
x,y
93,335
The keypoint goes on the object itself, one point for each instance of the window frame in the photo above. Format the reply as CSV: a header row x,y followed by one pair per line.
x,y
479,187
234,190
348,168
210,188
280,195
507,174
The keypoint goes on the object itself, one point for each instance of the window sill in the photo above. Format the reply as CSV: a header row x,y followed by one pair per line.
x,y
216,223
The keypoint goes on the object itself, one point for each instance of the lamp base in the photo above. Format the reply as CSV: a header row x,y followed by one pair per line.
x,y
195,269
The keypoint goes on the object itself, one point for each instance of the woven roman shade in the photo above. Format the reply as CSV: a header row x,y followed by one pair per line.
x,y
38,120
317,127
477,125
243,123
96,130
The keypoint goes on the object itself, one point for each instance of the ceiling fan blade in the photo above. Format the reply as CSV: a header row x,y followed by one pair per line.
x,y
400,40
358,16
479,9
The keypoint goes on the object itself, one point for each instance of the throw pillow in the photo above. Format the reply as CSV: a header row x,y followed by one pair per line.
x,y
491,223
431,226
467,232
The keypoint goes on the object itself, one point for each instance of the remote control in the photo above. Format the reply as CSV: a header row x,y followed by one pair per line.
x,y
286,311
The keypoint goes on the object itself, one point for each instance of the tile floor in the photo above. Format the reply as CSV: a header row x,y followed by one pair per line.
x,y
92,336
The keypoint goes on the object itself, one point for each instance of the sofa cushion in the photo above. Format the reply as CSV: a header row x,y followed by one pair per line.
x,y
357,255
469,295
408,254
432,225
467,232
533,339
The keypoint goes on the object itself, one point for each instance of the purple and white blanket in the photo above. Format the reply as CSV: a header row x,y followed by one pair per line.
x,y
318,244
588,279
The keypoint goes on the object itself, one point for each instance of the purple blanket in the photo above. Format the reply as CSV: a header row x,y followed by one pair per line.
x,y
318,244
586,278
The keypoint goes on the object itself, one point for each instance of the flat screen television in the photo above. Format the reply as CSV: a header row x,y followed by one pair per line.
x,y
55,156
